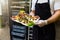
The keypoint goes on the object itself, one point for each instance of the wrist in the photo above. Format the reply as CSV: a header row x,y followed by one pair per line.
x,y
46,22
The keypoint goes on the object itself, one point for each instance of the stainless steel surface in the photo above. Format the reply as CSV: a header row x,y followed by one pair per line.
x,y
5,12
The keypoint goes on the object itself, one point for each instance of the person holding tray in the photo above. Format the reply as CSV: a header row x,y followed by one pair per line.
x,y
45,27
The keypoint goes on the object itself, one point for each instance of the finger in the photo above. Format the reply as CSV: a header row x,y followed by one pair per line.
x,y
37,16
40,25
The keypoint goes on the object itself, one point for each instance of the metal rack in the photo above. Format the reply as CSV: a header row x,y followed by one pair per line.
x,y
30,30
15,7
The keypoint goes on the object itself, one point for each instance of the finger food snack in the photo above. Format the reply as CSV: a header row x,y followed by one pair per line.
x,y
25,19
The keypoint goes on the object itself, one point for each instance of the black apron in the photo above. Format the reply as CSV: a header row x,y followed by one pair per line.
x,y
47,32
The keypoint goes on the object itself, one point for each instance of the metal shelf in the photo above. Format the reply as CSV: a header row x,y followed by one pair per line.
x,y
19,2
31,31
30,37
30,34
16,7
15,10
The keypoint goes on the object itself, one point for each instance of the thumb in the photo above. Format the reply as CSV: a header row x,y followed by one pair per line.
x,y
32,14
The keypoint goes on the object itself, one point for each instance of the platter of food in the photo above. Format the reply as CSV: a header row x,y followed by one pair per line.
x,y
25,19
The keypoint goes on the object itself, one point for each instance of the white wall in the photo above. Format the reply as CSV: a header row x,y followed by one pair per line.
x,y
5,11
0,9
